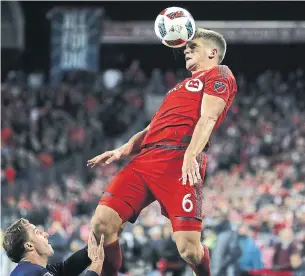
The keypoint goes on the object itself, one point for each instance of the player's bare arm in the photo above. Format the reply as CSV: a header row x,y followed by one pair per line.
x,y
211,108
134,143
133,146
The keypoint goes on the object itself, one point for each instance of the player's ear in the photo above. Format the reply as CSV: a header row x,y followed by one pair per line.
x,y
28,246
213,53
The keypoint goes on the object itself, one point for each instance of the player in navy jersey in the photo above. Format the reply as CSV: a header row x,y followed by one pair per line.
x,y
26,245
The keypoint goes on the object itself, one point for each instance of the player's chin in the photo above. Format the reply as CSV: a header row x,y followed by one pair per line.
x,y
189,65
51,253
50,250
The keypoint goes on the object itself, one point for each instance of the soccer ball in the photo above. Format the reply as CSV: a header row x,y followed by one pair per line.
x,y
175,27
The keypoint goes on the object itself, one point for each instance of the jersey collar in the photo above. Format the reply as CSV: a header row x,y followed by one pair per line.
x,y
194,75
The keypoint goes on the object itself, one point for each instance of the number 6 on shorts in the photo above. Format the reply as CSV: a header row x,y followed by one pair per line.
x,y
187,204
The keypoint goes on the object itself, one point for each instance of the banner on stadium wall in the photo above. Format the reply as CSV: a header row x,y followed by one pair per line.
x,y
75,40
142,32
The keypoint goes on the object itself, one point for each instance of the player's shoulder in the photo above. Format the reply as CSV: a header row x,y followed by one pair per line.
x,y
220,71
29,269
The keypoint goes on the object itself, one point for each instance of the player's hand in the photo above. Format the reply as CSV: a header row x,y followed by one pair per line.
x,y
110,156
190,170
107,158
96,251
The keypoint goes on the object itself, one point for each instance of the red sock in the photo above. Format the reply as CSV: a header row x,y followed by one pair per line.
x,y
203,268
113,259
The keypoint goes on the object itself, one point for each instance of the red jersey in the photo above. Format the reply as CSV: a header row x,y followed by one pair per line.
x,y
181,108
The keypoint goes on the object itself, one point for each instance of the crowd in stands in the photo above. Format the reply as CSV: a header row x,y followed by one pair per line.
x,y
254,202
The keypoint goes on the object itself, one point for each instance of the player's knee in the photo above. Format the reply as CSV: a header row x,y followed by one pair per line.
x,y
189,252
105,221
189,248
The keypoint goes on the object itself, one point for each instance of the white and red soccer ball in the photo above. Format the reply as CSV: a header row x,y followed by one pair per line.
x,y
175,27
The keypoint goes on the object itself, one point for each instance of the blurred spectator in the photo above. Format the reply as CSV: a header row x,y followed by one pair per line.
x,y
141,245
250,258
10,173
171,260
284,250
226,251
111,78
156,240
57,237
209,238
298,264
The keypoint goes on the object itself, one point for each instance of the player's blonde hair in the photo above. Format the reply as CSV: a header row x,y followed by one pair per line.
x,y
214,37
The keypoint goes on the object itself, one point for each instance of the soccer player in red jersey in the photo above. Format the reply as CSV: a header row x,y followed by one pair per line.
x,y
171,157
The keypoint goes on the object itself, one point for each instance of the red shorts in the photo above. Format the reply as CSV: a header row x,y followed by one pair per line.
x,y
154,175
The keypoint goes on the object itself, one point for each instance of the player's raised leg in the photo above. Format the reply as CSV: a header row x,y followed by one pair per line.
x,y
187,223
183,205
186,219
122,201
108,222
191,250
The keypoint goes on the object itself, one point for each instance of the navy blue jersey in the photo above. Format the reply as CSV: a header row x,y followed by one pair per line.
x,y
73,266
27,269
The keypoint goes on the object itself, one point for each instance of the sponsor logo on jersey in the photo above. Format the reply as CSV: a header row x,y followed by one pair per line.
x,y
194,85
220,87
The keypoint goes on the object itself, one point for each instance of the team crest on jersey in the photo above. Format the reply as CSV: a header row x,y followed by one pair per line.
x,y
194,85
220,87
